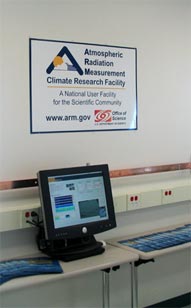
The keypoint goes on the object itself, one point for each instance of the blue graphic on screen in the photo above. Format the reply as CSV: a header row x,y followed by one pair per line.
x,y
77,199
64,203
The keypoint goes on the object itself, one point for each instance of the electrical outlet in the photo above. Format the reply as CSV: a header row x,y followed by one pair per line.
x,y
133,201
175,194
167,195
29,215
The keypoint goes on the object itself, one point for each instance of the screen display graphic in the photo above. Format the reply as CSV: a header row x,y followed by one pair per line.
x,y
77,199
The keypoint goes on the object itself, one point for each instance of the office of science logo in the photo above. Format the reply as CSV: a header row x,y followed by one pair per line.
x,y
103,115
58,61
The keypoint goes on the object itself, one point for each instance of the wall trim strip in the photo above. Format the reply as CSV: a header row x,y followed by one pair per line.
x,y
26,183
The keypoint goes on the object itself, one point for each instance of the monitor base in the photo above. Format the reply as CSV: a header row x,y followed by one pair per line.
x,y
70,249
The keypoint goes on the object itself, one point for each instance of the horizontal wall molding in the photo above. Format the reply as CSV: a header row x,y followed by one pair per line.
x,y
27,183
147,170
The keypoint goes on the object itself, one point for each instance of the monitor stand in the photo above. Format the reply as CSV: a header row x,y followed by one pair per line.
x,y
70,249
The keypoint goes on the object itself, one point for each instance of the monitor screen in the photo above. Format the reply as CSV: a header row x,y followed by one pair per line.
x,y
76,201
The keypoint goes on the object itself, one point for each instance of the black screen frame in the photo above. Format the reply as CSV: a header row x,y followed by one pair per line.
x,y
75,231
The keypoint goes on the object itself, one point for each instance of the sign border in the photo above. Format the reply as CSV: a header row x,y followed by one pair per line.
x,y
78,131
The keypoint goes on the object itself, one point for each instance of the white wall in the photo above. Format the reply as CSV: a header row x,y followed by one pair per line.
x,y
161,31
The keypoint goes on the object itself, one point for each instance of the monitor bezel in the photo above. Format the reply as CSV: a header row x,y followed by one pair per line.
x,y
75,231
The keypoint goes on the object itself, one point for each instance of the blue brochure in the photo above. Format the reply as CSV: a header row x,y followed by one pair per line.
x,y
160,240
14,268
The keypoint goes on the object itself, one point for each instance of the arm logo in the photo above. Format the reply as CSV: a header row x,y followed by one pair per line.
x,y
58,60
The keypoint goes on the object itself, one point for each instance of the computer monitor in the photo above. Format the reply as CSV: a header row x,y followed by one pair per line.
x,y
76,204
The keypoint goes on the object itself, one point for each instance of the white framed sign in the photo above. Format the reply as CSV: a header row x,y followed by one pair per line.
x,y
78,87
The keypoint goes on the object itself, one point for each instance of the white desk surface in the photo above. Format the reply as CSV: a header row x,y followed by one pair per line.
x,y
113,256
154,253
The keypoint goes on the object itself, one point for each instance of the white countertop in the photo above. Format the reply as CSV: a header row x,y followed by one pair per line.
x,y
113,256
